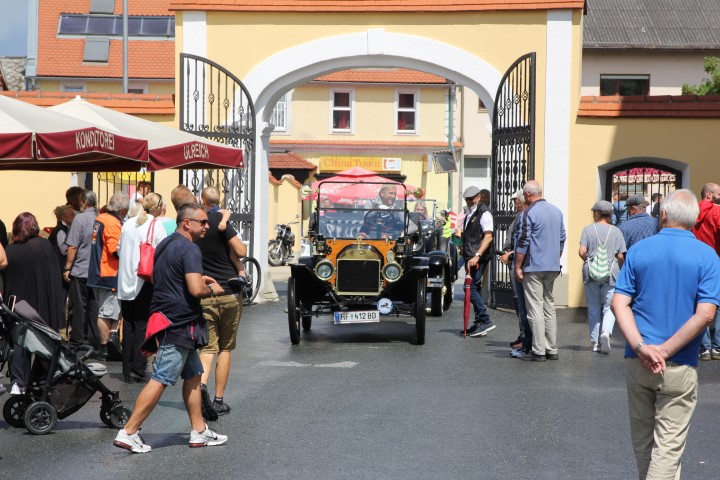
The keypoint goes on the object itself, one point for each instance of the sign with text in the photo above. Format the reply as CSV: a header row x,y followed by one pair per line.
x,y
376,164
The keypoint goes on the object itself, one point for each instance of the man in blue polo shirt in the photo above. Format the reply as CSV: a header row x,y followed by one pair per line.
x,y
666,295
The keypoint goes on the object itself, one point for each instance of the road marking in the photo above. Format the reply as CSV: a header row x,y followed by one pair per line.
x,y
273,363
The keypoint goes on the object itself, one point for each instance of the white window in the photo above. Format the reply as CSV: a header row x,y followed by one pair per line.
x,y
281,114
73,87
137,88
477,167
406,116
341,106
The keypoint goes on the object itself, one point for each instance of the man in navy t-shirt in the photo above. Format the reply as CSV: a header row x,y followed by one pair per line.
x,y
665,296
179,286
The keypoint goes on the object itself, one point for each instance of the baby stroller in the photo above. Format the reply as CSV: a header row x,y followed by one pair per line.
x,y
60,381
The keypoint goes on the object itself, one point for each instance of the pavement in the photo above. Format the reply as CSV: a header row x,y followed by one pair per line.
x,y
364,402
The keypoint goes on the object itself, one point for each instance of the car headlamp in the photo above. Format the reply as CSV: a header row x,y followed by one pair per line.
x,y
391,271
324,270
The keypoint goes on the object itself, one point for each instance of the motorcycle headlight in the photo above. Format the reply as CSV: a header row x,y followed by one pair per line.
x,y
324,269
278,229
391,271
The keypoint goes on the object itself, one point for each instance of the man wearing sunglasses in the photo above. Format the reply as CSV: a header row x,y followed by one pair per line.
x,y
179,286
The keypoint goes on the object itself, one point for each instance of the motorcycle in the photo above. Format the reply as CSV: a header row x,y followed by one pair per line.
x,y
280,250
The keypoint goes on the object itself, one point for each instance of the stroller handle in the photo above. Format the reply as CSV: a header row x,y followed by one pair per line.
x,y
88,349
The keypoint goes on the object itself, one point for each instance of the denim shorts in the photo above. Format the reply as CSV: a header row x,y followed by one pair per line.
x,y
173,362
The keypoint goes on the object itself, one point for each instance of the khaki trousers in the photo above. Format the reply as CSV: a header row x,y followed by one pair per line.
x,y
660,406
540,305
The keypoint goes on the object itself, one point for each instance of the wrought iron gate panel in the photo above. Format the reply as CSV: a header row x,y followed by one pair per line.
x,y
105,184
643,178
513,160
215,104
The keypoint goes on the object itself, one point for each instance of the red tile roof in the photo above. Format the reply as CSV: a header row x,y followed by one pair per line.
x,y
146,104
289,161
355,144
396,75
63,57
350,6
659,106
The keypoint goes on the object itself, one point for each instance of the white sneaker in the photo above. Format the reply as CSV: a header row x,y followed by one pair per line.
x,y
605,343
516,353
595,347
206,438
133,442
17,389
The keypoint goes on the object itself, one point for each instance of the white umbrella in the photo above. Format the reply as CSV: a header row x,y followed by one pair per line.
x,y
33,138
169,148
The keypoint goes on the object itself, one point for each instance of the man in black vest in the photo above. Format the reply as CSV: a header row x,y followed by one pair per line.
x,y
477,240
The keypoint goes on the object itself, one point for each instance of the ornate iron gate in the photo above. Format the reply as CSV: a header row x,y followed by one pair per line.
x,y
215,104
650,180
513,160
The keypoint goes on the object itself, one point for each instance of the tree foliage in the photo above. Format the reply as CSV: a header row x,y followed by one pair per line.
x,y
709,86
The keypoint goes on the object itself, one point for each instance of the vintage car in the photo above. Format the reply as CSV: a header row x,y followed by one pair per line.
x,y
362,267
441,253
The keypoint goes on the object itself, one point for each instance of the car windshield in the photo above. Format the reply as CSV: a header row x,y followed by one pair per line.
x,y
372,210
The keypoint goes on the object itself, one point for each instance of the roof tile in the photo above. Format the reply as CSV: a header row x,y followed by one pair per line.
x,y
659,106
146,104
395,75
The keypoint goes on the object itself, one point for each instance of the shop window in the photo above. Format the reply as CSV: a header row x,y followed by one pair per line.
x,y
624,84
342,102
406,112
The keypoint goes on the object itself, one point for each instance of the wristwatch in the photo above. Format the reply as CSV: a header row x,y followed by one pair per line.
x,y
638,347
478,255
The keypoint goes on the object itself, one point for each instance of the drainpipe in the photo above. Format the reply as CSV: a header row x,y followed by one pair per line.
x,y
451,135
125,46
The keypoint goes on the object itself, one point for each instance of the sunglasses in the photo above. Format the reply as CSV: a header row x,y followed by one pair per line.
x,y
201,222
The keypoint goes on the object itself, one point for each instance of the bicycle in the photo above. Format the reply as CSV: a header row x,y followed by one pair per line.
x,y
249,285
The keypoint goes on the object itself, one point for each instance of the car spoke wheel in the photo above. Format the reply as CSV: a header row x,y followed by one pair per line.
x,y
14,410
253,275
293,313
276,253
40,418
420,301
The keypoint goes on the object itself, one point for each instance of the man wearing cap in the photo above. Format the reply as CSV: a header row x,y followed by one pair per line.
x,y
537,264
524,340
707,230
477,237
598,293
640,224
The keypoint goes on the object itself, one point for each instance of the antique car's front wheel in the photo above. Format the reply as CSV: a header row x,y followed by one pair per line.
x,y
293,313
420,301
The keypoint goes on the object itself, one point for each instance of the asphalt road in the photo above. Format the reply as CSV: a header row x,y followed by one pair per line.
x,y
362,401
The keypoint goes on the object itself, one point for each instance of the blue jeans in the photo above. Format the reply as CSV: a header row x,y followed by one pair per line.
x,y
600,317
173,362
481,315
707,344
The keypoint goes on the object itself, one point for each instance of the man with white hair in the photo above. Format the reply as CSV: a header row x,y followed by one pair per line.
x,y
665,296
103,269
537,264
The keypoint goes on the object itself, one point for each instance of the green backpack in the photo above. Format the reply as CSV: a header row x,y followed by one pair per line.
x,y
598,266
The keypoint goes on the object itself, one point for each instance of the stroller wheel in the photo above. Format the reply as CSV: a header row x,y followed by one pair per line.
x,y
14,410
105,416
119,417
40,418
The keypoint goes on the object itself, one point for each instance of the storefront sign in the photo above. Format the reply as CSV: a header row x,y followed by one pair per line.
x,y
375,164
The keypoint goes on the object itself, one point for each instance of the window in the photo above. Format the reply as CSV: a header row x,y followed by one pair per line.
x,y
73,87
478,167
111,25
137,88
624,84
406,112
342,110
102,6
280,114
96,50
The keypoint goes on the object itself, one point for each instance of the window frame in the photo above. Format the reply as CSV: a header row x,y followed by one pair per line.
x,y
74,87
415,110
351,109
618,77
287,101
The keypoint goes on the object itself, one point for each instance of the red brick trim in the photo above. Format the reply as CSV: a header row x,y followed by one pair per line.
x,y
659,106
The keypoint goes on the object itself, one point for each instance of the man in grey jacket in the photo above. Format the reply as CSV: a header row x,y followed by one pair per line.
x,y
537,264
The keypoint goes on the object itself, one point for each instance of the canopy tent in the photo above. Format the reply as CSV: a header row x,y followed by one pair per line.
x,y
352,184
169,148
34,138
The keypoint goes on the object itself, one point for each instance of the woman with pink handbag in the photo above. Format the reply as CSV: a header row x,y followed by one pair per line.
x,y
140,235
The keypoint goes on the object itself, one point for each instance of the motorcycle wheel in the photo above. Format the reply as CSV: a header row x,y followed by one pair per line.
x,y
276,253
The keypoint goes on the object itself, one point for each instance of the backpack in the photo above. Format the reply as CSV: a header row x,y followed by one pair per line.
x,y
598,266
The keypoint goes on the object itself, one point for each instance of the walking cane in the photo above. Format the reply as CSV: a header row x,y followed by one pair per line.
x,y
466,312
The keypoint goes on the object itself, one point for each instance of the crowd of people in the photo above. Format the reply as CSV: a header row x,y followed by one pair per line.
x,y
187,316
